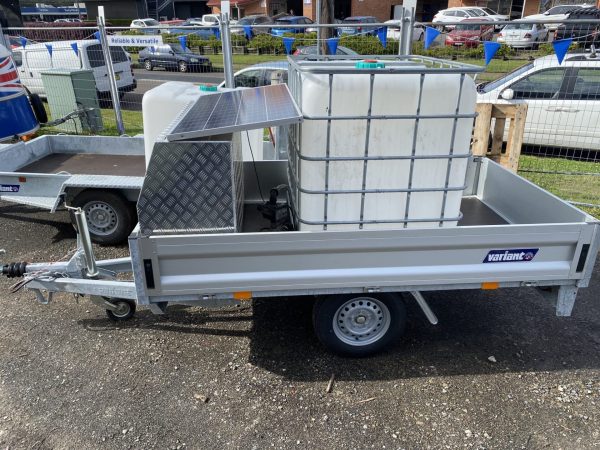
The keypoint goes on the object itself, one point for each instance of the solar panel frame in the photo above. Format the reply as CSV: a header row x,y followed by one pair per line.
x,y
243,109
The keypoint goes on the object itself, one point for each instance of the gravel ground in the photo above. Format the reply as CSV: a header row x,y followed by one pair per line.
x,y
255,376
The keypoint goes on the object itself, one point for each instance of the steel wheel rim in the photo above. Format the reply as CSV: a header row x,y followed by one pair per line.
x,y
148,65
101,217
123,308
361,321
182,67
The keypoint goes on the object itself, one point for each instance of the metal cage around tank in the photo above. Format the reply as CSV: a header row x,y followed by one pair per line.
x,y
333,66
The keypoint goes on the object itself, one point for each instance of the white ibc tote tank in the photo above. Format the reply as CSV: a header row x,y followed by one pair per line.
x,y
353,172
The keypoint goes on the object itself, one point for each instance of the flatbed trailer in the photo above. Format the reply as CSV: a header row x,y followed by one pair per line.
x,y
102,175
512,234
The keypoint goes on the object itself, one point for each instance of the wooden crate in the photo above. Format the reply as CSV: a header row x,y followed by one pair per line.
x,y
516,115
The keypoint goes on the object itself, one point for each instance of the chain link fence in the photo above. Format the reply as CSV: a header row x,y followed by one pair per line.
x,y
561,145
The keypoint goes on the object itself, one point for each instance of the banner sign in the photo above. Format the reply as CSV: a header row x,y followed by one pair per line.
x,y
134,41
51,10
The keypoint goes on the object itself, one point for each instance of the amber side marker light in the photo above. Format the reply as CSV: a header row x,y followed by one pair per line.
x,y
242,295
490,285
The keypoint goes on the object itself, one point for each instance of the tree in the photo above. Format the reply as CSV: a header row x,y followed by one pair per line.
x,y
327,15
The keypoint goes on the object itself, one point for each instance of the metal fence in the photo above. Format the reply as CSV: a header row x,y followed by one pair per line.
x,y
561,146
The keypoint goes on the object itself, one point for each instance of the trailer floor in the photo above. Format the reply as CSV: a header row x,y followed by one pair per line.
x,y
256,377
474,211
89,164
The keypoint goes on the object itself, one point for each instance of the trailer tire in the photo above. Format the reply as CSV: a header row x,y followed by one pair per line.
x,y
110,217
358,325
126,310
38,108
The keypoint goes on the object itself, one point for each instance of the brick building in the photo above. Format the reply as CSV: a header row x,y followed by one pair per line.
x,y
384,9
517,7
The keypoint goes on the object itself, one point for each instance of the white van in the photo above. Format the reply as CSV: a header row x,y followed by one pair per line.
x,y
35,58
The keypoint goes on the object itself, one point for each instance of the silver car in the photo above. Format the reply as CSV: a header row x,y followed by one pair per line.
x,y
563,100
263,74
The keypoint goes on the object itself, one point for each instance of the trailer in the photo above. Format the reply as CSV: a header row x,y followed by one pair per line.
x,y
102,175
512,234
208,236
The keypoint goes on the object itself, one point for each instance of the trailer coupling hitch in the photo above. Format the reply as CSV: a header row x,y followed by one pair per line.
x,y
12,270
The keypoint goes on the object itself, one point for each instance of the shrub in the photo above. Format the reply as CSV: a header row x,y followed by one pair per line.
x,y
132,33
449,52
267,43
369,45
120,22
238,40
548,49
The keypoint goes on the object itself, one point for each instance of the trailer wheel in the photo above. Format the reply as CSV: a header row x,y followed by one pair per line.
x,y
38,108
109,216
125,310
360,325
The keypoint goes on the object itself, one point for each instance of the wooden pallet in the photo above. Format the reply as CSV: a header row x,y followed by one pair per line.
x,y
516,114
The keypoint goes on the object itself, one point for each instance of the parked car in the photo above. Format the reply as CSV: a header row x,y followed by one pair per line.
x,y
192,27
489,14
466,34
16,41
291,21
363,29
145,26
457,14
584,33
263,74
312,50
555,15
563,100
523,35
394,33
256,19
35,58
209,20
173,56
196,21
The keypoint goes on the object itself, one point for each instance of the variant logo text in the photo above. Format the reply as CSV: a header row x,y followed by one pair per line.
x,y
511,255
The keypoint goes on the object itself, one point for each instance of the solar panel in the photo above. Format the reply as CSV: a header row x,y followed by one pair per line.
x,y
243,109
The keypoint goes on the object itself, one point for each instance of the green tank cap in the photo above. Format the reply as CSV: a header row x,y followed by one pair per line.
x,y
369,64
208,87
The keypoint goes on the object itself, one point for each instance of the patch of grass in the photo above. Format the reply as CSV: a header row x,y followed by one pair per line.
x,y
576,181
131,119
496,69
